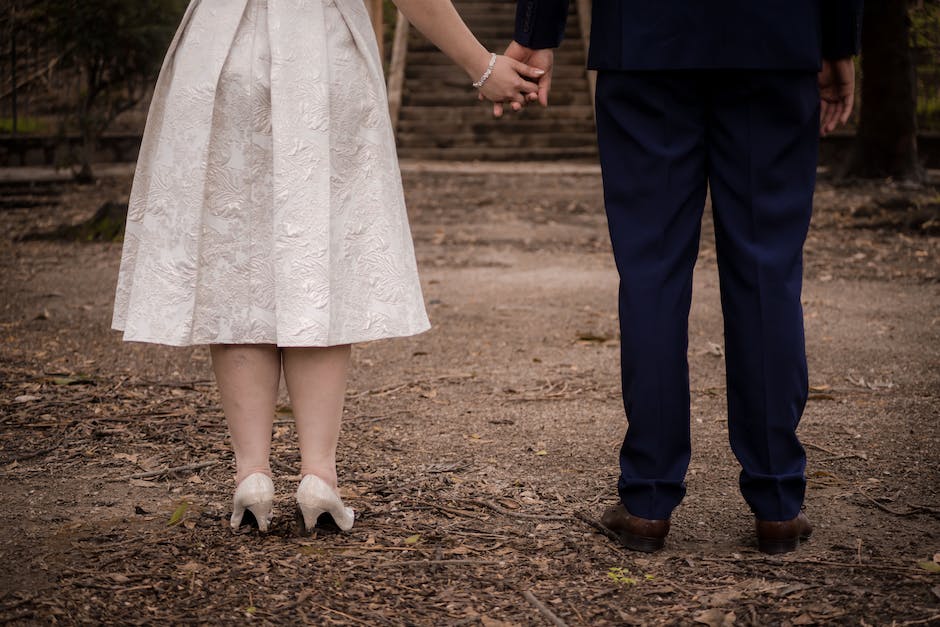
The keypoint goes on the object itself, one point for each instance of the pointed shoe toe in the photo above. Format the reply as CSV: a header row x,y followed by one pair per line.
x,y
254,496
315,497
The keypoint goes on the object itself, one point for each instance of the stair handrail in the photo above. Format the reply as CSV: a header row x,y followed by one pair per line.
x,y
396,70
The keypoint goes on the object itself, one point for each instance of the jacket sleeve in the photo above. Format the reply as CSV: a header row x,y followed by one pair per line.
x,y
841,28
541,23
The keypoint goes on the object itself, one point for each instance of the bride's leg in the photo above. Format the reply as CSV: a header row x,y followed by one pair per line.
x,y
316,382
248,377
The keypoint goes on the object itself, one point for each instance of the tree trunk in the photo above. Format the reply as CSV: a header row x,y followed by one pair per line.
x,y
886,144
89,143
89,132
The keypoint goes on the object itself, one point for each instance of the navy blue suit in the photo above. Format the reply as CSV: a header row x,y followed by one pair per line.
x,y
719,95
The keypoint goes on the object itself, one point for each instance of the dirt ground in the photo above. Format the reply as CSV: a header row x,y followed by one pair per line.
x,y
479,453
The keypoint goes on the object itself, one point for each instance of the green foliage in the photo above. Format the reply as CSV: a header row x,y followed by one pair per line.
x,y
925,45
118,45
115,46
925,25
23,125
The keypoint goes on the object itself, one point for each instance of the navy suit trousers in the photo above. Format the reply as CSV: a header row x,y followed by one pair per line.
x,y
751,137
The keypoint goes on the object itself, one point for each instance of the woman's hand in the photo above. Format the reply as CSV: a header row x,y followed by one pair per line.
x,y
509,82
439,21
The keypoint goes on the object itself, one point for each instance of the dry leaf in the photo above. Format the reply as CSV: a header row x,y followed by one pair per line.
x,y
141,483
930,567
716,349
590,337
178,514
715,618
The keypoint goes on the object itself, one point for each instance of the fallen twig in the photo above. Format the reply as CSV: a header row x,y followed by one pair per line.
x,y
184,385
441,563
923,621
39,453
911,511
17,603
288,470
543,610
391,389
840,457
508,512
819,447
450,510
166,471
809,562
593,523
344,615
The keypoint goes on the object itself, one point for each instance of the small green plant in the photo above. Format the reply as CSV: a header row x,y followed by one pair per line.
x,y
621,576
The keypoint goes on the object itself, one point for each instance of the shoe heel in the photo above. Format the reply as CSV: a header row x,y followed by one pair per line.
x,y
254,495
307,517
642,543
257,515
262,514
315,498
776,547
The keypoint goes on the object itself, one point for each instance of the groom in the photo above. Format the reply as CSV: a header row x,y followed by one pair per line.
x,y
729,96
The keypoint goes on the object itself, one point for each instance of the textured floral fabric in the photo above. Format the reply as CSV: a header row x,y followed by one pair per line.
x,y
267,205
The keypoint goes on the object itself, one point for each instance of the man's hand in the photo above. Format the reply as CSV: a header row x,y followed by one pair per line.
x,y
541,59
836,92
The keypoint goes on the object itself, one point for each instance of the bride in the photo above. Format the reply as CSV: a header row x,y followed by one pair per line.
x,y
267,218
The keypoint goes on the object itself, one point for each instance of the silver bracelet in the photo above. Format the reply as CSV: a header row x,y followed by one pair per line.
x,y
487,73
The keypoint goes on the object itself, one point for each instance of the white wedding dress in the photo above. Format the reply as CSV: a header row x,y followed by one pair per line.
x,y
267,206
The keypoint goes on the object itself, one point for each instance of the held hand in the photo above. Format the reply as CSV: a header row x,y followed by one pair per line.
x,y
509,82
837,94
541,59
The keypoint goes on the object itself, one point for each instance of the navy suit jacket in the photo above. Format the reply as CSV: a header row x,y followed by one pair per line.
x,y
702,34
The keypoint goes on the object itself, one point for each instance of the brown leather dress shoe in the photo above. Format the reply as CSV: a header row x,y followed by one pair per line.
x,y
775,537
638,534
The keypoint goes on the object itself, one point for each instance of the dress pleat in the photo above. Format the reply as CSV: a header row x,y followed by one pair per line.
x,y
267,205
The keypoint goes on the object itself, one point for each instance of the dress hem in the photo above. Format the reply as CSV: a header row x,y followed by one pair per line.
x,y
184,343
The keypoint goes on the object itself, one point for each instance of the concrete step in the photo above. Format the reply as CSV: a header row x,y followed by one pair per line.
x,y
459,84
564,56
444,71
441,119
485,123
509,138
499,154
441,114
468,98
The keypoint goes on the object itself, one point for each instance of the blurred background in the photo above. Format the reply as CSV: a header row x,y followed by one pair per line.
x,y
76,78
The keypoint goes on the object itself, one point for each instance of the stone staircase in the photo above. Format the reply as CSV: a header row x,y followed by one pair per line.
x,y
441,118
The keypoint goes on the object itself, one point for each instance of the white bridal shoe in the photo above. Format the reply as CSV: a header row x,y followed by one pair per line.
x,y
316,497
256,494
